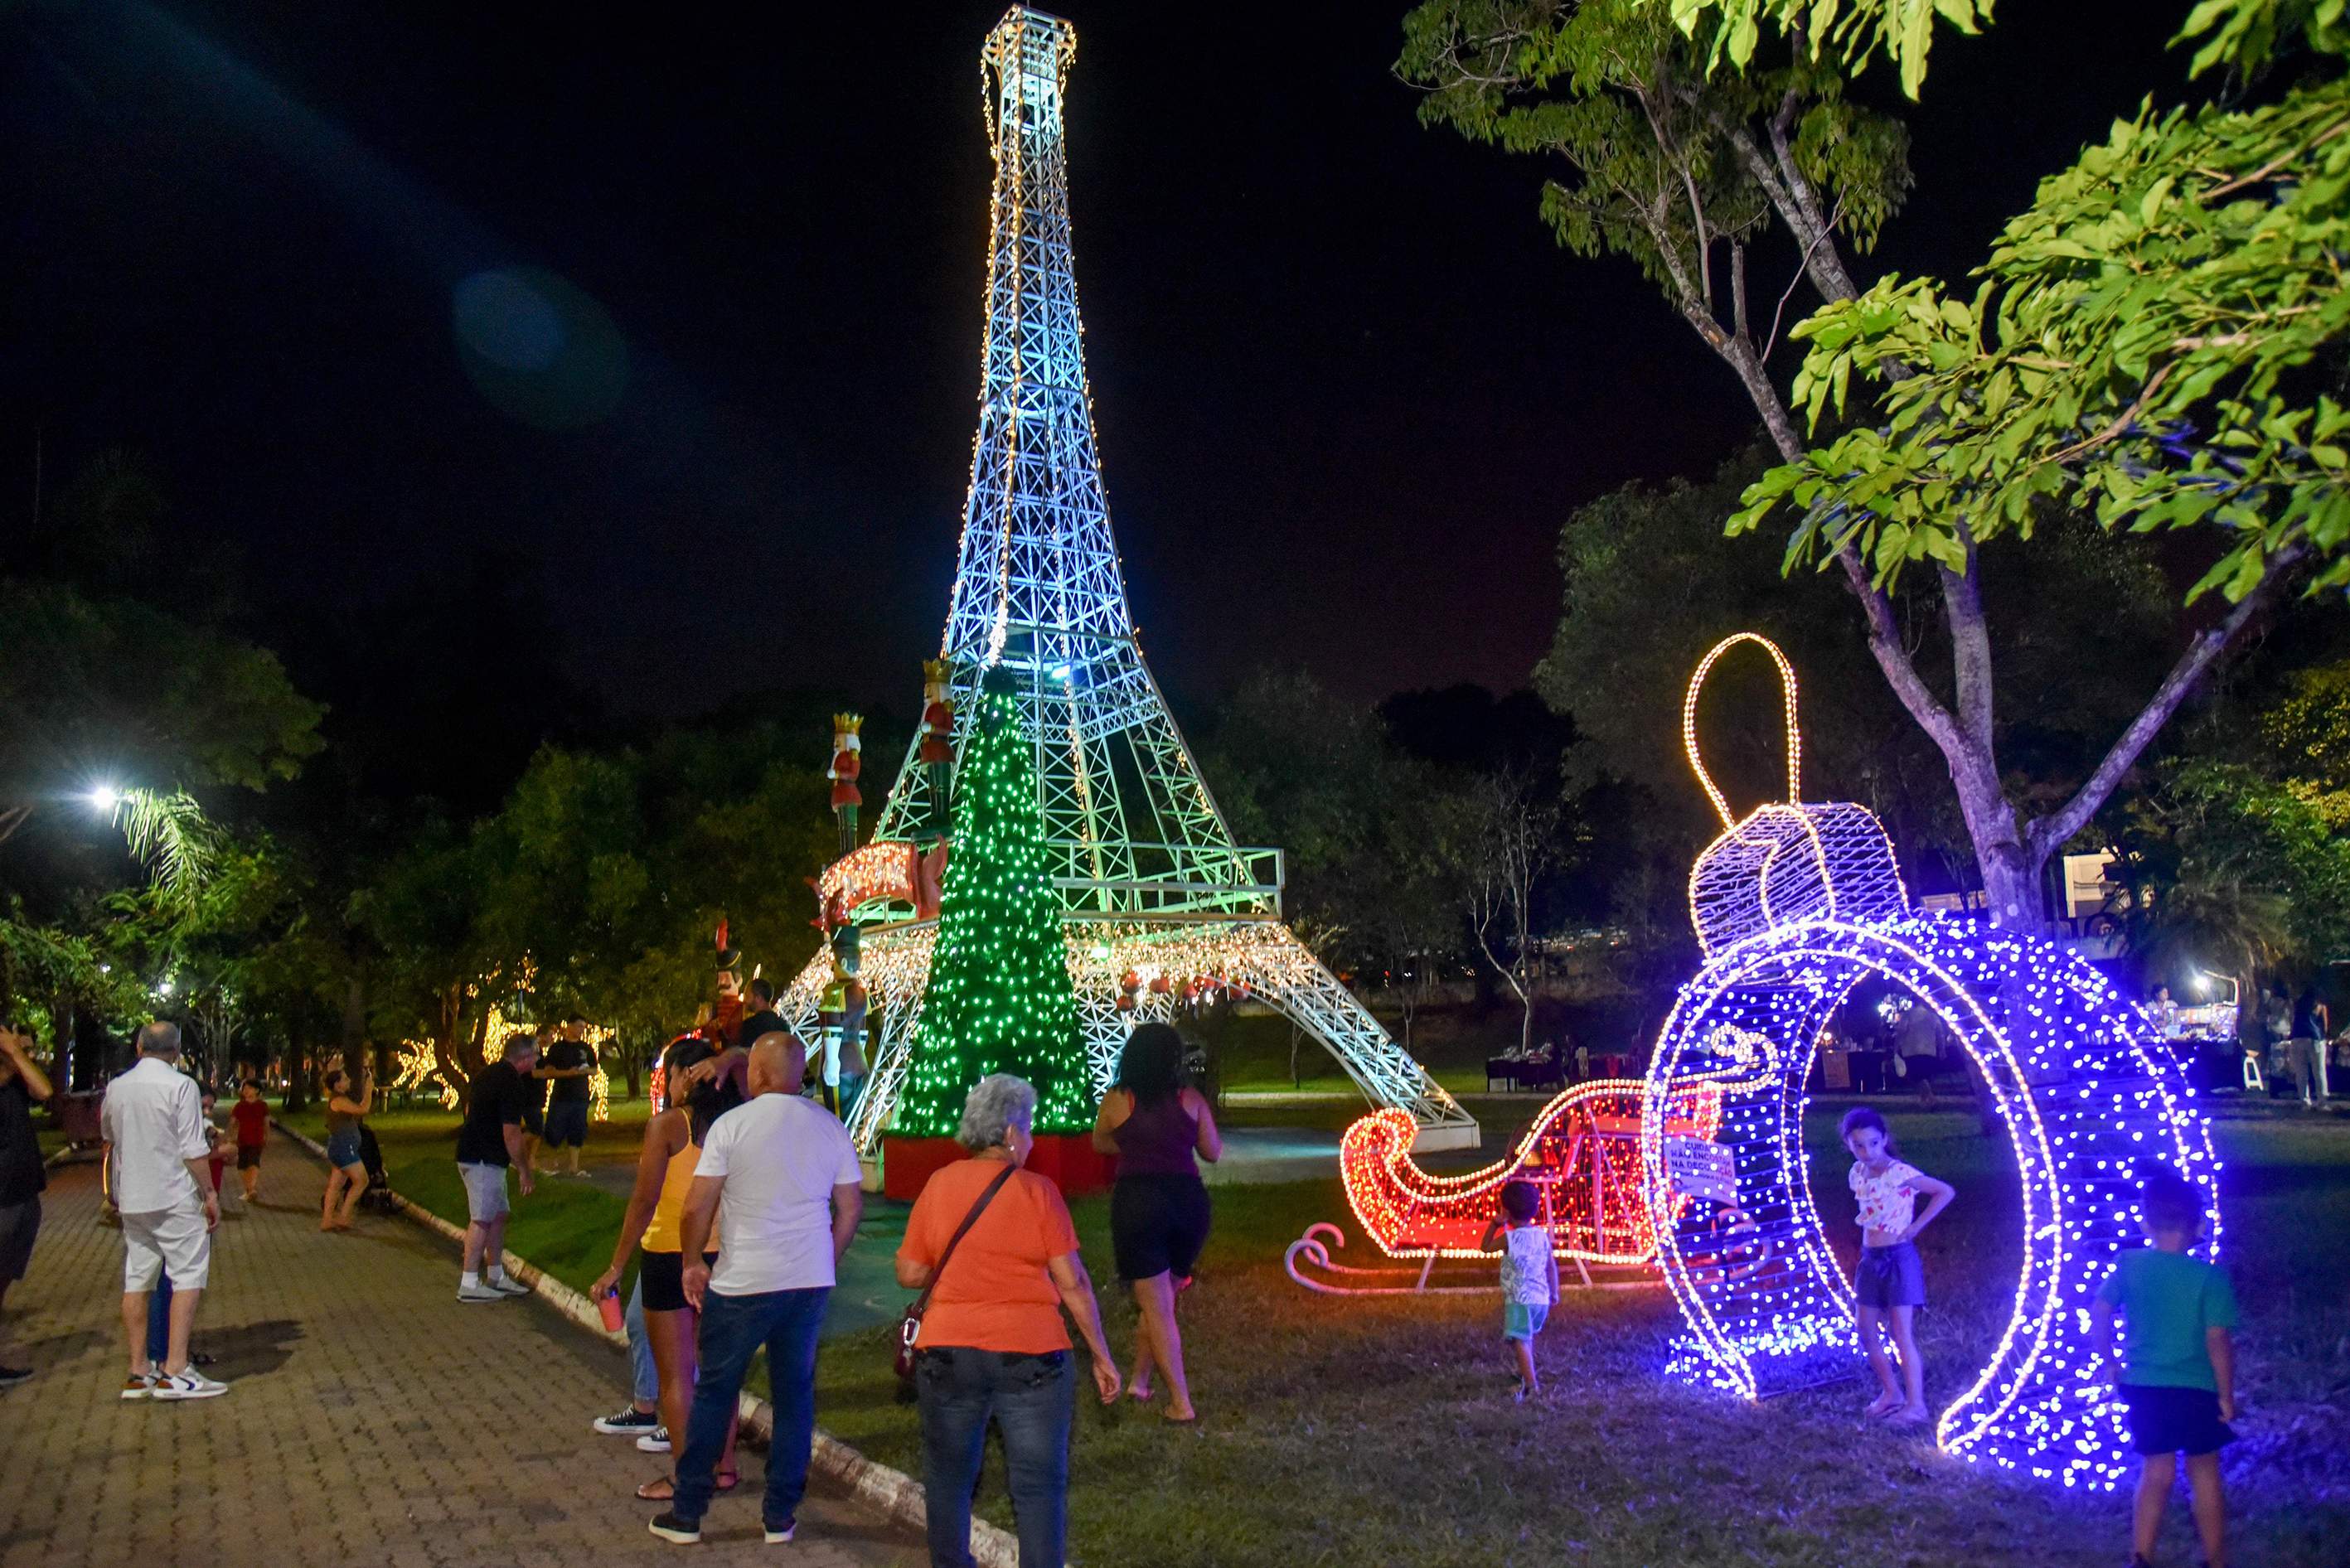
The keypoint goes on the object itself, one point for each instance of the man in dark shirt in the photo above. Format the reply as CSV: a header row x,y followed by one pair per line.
x,y
488,1142
763,1018
570,1063
22,1082
730,1068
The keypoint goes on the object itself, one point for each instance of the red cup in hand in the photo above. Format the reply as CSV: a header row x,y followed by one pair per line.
x,y
608,1306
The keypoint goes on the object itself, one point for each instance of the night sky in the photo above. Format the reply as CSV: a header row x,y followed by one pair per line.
x,y
1346,384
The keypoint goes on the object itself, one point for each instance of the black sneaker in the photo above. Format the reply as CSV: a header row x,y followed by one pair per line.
x,y
670,1527
627,1422
781,1534
12,1376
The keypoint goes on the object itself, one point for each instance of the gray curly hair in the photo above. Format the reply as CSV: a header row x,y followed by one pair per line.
x,y
995,1102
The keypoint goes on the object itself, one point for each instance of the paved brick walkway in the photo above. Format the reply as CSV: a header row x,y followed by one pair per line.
x,y
371,1418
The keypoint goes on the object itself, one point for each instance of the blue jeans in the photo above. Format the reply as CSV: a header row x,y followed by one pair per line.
x,y
733,1329
1033,1399
644,1386
158,1319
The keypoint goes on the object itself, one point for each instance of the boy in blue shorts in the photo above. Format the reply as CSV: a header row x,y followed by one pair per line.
x,y
1529,1276
2177,1364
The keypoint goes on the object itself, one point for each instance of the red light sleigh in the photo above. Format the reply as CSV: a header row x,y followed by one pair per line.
x,y
1582,1154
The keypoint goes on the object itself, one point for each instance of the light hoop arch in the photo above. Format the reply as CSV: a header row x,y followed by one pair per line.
x,y
2085,1091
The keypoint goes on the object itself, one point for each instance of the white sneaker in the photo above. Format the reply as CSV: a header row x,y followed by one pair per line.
x,y
654,1442
482,1292
140,1385
189,1385
507,1285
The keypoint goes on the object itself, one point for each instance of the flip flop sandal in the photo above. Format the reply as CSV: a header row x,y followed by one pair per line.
x,y
727,1481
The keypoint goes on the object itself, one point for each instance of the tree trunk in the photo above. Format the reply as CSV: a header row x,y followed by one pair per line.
x,y
354,1014
61,1033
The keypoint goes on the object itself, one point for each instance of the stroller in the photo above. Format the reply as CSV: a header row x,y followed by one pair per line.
x,y
378,1197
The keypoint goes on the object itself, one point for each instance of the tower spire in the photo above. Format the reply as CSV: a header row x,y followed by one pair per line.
x,y
1156,896
1038,588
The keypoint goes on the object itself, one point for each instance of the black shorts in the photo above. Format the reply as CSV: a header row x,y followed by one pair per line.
x,y
663,1278
2174,1420
20,1226
248,1157
533,1120
566,1122
1157,1224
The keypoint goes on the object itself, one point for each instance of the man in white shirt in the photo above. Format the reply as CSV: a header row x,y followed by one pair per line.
x,y
153,1126
780,1178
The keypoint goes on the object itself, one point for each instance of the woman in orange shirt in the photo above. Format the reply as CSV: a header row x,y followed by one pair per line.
x,y
992,1340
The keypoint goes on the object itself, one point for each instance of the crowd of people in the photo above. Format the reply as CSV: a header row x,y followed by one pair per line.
x,y
747,1192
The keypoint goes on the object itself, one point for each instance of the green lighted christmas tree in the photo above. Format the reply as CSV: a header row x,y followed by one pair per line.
x,y
999,998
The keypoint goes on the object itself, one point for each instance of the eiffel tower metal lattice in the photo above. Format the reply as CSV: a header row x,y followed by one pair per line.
x,y
1153,883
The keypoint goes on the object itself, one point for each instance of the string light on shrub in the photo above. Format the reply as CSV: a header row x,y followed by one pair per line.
x,y
418,1064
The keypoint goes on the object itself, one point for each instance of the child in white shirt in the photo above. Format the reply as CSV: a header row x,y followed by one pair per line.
x,y
1529,1276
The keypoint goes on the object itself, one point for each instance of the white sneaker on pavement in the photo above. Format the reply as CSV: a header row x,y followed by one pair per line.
x,y
189,1385
480,1294
138,1386
508,1285
654,1442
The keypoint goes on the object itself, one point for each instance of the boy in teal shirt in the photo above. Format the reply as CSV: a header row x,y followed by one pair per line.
x,y
2177,1364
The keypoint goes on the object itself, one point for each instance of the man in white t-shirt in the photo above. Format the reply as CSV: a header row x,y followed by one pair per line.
x,y
780,1178
152,1122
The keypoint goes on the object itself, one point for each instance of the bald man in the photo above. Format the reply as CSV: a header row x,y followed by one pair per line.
x,y
780,1177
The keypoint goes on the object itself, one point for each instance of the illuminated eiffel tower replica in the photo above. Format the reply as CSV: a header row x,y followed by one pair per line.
x,y
1161,904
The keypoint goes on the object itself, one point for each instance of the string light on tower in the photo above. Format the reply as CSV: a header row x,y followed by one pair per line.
x,y
1132,836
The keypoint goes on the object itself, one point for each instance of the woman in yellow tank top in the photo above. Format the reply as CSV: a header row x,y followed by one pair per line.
x,y
665,1167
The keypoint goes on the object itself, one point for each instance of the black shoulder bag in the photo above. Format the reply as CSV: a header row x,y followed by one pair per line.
x,y
909,1327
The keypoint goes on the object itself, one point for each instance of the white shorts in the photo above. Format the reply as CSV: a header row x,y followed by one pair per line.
x,y
166,1239
486,1190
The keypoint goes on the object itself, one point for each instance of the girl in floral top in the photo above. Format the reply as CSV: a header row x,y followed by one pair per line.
x,y
1890,1283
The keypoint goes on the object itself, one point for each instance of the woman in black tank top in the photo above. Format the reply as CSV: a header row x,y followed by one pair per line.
x,y
1158,1214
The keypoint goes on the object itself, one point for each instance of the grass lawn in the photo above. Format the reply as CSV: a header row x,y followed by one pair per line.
x,y
1380,1429
1251,1051
1374,1431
